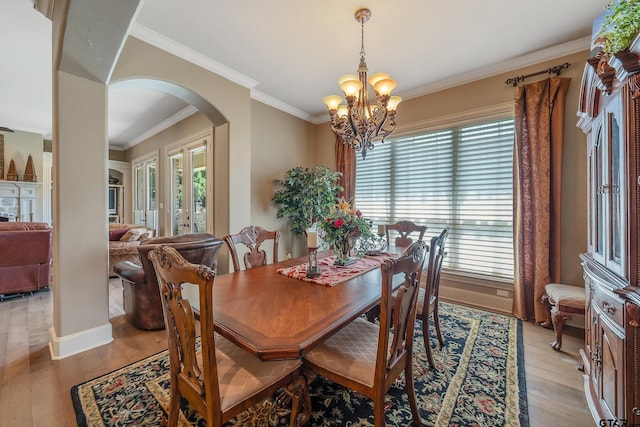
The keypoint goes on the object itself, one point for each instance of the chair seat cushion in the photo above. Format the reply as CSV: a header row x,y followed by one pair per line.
x,y
570,296
351,352
242,375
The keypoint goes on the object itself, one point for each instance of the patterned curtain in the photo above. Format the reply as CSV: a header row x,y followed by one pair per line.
x,y
346,163
537,180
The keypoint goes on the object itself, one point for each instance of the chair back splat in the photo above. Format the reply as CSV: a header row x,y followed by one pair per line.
x,y
405,229
252,237
218,378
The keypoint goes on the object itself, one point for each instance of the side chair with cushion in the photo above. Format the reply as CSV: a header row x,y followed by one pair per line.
x,y
368,357
428,297
405,229
252,237
141,299
219,379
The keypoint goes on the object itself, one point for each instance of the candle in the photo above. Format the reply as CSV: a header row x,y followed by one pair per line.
x,y
312,239
381,229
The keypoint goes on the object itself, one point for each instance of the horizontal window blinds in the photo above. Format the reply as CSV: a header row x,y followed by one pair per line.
x,y
459,178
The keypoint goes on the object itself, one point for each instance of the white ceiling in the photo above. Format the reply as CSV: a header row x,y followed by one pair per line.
x,y
291,52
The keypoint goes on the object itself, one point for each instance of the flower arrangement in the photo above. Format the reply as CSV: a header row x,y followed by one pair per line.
x,y
342,227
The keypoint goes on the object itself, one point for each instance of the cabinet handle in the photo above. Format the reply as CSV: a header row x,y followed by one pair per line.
x,y
636,411
606,305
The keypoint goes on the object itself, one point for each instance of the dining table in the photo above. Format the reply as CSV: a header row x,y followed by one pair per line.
x,y
274,316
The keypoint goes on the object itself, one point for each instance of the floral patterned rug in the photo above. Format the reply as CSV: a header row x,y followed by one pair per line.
x,y
479,380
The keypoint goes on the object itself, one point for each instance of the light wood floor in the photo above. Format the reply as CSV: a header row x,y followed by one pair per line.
x,y
35,391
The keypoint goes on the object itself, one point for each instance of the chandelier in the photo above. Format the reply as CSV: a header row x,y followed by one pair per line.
x,y
358,123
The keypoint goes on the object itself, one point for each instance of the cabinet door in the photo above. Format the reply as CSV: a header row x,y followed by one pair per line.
x,y
611,380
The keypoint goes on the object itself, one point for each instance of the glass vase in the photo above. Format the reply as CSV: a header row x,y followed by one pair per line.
x,y
342,252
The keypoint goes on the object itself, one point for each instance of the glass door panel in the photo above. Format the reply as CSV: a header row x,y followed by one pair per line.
x,y
179,218
145,210
199,189
599,166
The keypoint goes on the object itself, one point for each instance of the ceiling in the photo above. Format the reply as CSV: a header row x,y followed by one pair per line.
x,y
290,53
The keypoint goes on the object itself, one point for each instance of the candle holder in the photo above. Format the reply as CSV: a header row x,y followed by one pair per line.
x,y
313,270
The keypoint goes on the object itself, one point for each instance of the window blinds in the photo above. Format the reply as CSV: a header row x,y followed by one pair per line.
x,y
461,178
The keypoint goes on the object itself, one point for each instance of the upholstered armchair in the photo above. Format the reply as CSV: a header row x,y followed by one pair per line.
x,y
141,296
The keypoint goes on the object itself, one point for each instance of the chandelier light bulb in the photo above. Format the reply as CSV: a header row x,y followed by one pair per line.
x,y
332,101
375,78
385,86
392,105
343,110
351,87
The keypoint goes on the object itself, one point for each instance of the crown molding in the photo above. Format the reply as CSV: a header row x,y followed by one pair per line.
x,y
276,103
519,62
166,123
161,42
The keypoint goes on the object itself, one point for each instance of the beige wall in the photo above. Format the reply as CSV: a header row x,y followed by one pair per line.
x,y
491,92
279,142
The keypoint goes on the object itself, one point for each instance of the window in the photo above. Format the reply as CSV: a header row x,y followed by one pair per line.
x,y
460,177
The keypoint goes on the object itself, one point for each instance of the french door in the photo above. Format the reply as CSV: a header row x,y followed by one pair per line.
x,y
190,191
145,190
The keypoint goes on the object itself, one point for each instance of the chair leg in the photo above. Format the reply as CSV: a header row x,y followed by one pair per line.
x,y
436,322
378,412
411,394
558,318
174,406
427,343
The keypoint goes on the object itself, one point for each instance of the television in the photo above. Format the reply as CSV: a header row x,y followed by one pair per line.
x,y
112,201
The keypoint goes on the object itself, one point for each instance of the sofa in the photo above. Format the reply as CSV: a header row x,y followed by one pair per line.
x,y
123,242
25,257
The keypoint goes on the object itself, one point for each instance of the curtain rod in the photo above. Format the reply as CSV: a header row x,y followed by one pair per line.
x,y
556,70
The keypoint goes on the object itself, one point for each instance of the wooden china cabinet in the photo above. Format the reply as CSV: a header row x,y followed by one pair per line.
x,y
609,113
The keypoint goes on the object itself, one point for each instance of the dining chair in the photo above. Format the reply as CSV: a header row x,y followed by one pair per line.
x,y
404,229
252,237
218,378
428,296
368,357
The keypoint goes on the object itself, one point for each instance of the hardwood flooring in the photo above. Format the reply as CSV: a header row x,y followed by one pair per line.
x,y
35,391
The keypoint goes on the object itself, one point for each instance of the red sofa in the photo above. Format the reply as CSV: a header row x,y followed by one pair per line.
x,y
25,256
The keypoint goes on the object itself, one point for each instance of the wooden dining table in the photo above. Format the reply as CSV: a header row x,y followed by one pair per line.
x,y
273,316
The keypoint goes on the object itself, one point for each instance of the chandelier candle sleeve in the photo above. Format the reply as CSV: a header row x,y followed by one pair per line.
x,y
358,123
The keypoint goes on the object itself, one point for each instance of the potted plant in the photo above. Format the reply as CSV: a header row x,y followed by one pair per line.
x,y
306,195
621,24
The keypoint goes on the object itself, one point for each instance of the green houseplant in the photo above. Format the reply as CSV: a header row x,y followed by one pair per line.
x,y
621,24
306,195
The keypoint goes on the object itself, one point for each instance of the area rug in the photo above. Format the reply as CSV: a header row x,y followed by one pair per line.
x,y
479,380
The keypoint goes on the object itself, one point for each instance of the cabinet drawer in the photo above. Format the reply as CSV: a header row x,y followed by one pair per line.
x,y
608,304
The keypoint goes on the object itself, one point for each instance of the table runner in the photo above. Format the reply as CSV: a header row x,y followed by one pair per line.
x,y
331,274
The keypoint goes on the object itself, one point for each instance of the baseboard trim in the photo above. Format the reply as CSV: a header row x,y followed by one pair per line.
x,y
68,345
476,299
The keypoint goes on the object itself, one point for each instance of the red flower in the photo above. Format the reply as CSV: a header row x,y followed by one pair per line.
x,y
338,223
358,213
